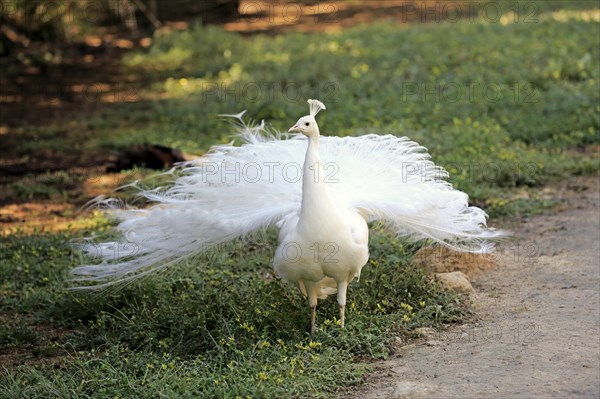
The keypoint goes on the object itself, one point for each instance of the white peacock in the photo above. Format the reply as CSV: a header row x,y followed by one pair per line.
x,y
320,192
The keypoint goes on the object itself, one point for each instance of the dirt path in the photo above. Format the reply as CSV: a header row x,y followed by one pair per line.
x,y
538,328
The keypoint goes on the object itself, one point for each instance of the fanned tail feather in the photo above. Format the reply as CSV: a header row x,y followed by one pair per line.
x,y
393,180
232,191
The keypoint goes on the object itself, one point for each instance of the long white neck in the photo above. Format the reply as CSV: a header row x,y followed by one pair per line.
x,y
317,202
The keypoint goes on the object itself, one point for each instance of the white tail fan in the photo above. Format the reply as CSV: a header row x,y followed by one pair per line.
x,y
233,191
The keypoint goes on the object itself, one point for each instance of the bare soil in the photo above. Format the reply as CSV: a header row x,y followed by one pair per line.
x,y
536,330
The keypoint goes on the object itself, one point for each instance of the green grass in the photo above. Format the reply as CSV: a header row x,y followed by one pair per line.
x,y
215,329
223,325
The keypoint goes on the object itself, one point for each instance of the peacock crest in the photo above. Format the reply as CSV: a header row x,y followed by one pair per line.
x,y
315,107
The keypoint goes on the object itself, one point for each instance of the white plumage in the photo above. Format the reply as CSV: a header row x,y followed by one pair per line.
x,y
319,191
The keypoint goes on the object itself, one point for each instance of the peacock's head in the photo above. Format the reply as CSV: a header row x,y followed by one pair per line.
x,y
307,125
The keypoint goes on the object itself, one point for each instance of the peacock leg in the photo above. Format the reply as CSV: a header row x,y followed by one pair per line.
x,y
341,297
311,292
313,319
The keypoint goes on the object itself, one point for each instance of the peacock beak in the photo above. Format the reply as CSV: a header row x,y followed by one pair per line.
x,y
293,129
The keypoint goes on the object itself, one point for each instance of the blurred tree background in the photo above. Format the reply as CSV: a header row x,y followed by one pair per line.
x,y
51,20
28,23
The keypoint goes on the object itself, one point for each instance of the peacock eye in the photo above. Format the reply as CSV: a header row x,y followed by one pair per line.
x,y
306,124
